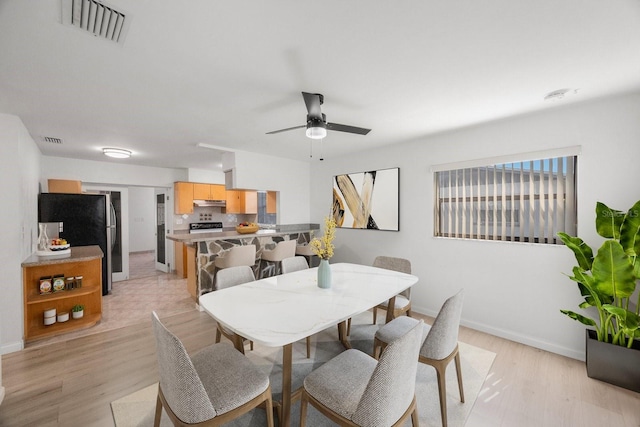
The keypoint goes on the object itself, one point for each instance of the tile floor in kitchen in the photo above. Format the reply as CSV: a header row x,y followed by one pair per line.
x,y
132,301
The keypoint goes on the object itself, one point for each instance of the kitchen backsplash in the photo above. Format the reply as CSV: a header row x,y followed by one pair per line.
x,y
210,214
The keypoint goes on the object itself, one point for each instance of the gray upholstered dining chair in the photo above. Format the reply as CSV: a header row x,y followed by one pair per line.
x,y
403,302
289,265
226,278
353,389
215,385
295,263
439,347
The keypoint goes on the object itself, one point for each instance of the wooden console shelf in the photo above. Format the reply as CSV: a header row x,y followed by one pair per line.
x,y
85,261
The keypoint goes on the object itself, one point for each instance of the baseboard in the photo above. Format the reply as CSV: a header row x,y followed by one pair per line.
x,y
12,347
514,336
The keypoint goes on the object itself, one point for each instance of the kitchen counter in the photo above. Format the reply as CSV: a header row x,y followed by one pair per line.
x,y
280,230
78,254
206,247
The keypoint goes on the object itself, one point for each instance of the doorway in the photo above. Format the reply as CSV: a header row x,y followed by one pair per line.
x,y
162,229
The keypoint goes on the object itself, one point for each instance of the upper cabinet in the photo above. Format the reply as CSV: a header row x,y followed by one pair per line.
x,y
183,197
271,202
242,202
208,192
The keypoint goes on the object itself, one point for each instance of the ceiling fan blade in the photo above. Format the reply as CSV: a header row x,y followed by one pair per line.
x,y
313,102
347,128
284,130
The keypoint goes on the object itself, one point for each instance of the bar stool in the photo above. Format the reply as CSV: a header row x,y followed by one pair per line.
x,y
284,249
305,251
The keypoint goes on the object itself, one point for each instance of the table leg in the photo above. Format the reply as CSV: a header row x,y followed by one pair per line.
x,y
285,421
342,335
390,308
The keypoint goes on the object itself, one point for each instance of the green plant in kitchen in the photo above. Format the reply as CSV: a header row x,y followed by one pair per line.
x,y
608,280
77,308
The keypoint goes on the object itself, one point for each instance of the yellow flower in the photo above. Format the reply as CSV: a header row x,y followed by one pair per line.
x,y
323,247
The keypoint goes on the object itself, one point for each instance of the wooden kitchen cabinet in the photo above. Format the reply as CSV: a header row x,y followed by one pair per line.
x,y
183,197
85,261
180,261
209,191
192,276
271,202
242,202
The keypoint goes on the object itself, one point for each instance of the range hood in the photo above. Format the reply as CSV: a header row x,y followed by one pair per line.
x,y
210,203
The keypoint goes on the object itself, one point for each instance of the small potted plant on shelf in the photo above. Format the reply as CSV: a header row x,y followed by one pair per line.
x,y
77,311
607,281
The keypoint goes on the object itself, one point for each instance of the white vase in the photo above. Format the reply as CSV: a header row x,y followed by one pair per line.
x,y
77,314
324,274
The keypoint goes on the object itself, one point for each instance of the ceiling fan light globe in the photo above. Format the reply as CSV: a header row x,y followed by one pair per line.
x,y
316,132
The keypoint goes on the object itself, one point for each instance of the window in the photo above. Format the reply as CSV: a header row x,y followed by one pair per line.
x,y
521,201
263,216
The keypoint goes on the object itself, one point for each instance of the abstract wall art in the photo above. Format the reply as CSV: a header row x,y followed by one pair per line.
x,y
367,200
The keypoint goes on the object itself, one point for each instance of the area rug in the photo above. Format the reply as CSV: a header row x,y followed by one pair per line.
x,y
137,409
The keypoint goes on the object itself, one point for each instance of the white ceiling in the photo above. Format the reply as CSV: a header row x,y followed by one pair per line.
x,y
224,73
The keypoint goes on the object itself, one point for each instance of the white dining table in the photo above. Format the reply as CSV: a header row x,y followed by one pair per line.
x,y
280,310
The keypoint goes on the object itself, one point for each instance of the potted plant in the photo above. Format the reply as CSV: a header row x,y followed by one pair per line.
x,y
77,311
323,248
607,282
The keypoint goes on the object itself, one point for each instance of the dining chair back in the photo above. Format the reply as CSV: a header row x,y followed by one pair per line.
x,y
227,278
440,345
352,389
215,385
234,276
403,299
295,263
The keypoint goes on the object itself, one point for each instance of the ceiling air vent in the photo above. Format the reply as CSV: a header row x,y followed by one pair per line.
x,y
96,18
52,140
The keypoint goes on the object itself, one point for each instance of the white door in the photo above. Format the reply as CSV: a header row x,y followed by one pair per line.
x,y
120,239
163,252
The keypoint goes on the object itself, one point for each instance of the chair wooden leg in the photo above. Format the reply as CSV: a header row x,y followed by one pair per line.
x,y
415,420
251,345
375,315
303,409
308,347
156,421
378,347
269,410
442,389
218,335
459,375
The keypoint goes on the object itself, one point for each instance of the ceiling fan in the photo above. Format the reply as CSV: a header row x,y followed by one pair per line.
x,y
317,125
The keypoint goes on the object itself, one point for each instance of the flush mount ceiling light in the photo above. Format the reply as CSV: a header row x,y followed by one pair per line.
x,y
118,153
316,129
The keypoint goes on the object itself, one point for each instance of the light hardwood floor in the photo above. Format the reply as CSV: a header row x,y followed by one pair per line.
x,y
72,382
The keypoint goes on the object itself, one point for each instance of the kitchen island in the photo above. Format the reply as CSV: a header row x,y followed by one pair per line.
x,y
206,247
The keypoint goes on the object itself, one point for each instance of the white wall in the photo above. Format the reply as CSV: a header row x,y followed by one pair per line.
x,y
19,195
513,290
142,219
108,173
289,177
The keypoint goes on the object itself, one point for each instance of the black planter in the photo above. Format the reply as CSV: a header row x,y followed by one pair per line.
x,y
613,364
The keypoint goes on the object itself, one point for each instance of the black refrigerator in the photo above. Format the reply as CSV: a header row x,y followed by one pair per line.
x,y
86,219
